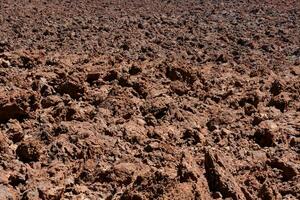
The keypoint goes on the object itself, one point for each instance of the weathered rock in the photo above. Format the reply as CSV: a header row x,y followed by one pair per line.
x,y
179,74
15,131
3,143
49,101
14,105
15,179
179,88
111,75
92,77
219,178
295,142
183,191
214,123
8,193
48,191
280,101
289,170
72,88
259,156
266,134
269,192
189,172
28,151
134,70
276,87
31,194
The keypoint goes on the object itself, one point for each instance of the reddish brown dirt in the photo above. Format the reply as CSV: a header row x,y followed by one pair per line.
x,y
148,99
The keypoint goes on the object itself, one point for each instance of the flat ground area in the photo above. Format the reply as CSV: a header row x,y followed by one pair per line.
x,y
149,99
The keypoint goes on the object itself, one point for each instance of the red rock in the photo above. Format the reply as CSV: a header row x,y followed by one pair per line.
x,y
219,178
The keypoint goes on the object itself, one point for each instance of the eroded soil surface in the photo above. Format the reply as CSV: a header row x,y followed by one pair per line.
x,y
148,99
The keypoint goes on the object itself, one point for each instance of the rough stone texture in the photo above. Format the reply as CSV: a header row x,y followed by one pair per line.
x,y
219,177
140,99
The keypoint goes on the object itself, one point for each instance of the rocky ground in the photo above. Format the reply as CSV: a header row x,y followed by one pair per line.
x,y
148,99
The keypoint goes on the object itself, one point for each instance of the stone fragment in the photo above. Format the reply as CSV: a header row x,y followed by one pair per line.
x,y
219,178
266,134
28,151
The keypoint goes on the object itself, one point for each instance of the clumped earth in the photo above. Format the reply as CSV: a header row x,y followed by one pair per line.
x,y
148,99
